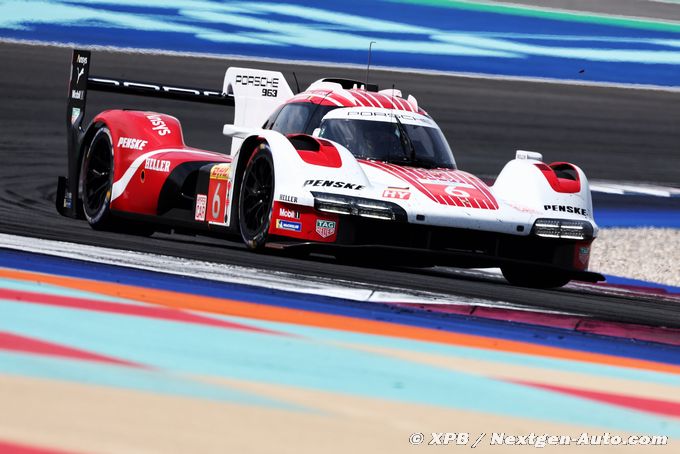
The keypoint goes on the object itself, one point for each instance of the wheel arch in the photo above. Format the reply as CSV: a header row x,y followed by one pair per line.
x,y
284,158
245,152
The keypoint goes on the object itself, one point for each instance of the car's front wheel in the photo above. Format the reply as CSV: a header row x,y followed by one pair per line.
x,y
256,198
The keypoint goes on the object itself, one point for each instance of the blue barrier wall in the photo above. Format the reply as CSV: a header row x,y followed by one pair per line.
x,y
431,35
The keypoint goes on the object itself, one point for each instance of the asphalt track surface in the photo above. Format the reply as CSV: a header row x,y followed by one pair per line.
x,y
612,133
651,9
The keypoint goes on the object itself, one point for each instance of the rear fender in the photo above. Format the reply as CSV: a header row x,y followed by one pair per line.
x,y
135,133
147,147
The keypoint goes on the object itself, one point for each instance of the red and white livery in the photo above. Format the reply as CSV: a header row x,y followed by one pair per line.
x,y
341,168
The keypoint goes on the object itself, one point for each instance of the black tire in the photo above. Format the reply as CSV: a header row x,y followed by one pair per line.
x,y
96,180
96,184
256,198
534,277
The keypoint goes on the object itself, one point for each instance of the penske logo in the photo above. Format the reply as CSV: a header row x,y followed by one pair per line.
x,y
334,184
132,144
566,209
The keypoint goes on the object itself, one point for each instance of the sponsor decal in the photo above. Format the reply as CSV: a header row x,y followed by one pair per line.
x,y
82,60
566,209
131,144
258,81
75,113
80,73
159,125
218,193
396,193
201,204
583,254
77,94
333,184
159,165
290,214
68,200
220,172
288,225
288,198
325,228
389,115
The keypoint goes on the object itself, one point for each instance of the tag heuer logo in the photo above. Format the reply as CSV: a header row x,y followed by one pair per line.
x,y
325,228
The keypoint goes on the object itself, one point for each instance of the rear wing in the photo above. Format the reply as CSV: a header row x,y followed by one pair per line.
x,y
241,89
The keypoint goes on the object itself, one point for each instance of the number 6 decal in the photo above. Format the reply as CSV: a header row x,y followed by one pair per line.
x,y
217,195
216,202
454,190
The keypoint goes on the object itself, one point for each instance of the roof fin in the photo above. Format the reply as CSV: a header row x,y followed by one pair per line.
x,y
412,99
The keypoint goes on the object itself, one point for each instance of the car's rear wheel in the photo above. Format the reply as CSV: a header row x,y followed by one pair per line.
x,y
256,198
534,277
96,180
96,185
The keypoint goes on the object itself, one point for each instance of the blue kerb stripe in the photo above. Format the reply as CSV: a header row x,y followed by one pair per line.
x,y
548,336
632,217
617,280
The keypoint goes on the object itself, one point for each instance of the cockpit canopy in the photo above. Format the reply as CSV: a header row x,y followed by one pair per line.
x,y
388,135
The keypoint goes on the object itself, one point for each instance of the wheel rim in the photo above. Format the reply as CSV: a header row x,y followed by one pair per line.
x,y
97,178
257,195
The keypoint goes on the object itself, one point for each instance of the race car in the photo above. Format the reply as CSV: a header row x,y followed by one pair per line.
x,y
342,168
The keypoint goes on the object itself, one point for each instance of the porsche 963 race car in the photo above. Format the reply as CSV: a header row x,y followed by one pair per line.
x,y
342,168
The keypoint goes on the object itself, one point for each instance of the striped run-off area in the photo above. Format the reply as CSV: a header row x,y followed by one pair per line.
x,y
98,358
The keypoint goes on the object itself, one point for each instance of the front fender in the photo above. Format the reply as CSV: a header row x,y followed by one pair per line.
x,y
296,177
523,184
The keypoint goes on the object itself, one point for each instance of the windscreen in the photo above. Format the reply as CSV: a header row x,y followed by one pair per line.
x,y
390,141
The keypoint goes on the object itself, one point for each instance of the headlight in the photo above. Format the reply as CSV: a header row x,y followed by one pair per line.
x,y
566,229
357,206
331,203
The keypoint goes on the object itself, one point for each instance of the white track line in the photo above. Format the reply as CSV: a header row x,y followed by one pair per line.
x,y
240,275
